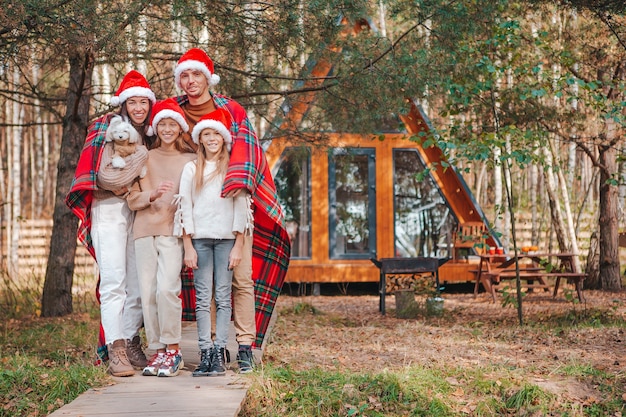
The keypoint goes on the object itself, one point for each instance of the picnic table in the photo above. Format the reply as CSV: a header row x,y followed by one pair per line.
x,y
493,269
416,265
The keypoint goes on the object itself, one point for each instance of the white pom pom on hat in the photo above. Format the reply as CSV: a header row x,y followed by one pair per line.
x,y
220,120
164,109
196,59
134,84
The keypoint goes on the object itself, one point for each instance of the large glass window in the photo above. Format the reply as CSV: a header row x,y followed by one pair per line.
x,y
293,183
352,198
422,220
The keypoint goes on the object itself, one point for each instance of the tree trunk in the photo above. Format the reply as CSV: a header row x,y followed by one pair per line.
x,y
609,250
534,187
555,208
571,231
498,198
57,291
15,178
622,178
592,282
4,140
39,146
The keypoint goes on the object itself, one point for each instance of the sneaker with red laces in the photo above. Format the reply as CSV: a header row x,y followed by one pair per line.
x,y
152,368
172,364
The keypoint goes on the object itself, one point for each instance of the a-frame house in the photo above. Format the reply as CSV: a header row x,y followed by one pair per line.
x,y
360,198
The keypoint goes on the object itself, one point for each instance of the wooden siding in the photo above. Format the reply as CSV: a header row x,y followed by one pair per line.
x,y
320,268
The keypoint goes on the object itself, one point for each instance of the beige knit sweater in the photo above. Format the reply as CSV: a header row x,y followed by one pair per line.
x,y
156,218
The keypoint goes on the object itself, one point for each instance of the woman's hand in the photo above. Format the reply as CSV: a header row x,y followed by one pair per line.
x,y
190,259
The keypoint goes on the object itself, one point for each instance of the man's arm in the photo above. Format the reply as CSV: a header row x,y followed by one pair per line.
x,y
247,157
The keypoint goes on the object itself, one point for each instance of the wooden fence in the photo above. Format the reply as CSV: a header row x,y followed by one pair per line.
x,y
523,223
34,246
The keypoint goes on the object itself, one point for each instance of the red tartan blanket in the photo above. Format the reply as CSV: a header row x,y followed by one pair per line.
x,y
271,246
80,196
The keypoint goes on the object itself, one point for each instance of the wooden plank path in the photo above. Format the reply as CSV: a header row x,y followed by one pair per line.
x,y
180,396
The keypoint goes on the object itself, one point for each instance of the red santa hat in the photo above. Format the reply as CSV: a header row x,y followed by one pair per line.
x,y
165,109
218,119
133,85
196,59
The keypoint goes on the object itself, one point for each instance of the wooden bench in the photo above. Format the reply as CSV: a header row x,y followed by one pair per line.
x,y
405,266
524,271
575,277
493,269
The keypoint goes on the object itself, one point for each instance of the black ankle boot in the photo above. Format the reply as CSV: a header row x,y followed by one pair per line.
x,y
245,359
204,365
217,367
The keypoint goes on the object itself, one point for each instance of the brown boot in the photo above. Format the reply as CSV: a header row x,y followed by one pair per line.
x,y
119,365
135,353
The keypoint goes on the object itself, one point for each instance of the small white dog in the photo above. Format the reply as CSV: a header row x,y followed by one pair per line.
x,y
125,140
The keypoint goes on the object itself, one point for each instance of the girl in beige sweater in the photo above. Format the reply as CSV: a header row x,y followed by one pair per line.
x,y
159,251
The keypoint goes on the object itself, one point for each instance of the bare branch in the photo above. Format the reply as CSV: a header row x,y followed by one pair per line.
x,y
607,21
401,37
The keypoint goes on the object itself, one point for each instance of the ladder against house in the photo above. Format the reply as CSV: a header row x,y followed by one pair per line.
x,y
469,236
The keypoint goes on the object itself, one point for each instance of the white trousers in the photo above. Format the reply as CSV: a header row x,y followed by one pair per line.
x,y
159,260
120,300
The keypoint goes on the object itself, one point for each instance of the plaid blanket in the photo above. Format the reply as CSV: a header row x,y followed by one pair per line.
x,y
271,246
80,196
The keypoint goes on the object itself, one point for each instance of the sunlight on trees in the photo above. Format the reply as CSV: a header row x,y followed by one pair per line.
x,y
527,98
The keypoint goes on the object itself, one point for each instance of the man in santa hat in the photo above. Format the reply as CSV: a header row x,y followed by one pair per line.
x,y
248,172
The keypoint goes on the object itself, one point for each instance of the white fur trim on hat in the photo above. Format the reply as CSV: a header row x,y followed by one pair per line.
x,y
133,92
212,79
212,124
165,114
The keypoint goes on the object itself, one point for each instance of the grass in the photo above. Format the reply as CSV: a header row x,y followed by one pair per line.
x,y
288,387
286,392
44,362
415,391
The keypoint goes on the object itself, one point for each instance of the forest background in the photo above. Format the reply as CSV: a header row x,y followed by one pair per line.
x,y
526,97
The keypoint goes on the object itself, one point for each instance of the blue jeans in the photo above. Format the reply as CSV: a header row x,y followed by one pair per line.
x,y
213,271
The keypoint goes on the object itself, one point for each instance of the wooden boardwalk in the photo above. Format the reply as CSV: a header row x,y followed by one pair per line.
x,y
180,396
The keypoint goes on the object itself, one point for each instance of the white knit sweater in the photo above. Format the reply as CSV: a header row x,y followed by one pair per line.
x,y
207,215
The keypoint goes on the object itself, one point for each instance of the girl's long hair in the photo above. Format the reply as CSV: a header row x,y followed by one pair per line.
x,y
221,166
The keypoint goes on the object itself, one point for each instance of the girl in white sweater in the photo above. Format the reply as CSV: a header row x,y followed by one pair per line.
x,y
213,238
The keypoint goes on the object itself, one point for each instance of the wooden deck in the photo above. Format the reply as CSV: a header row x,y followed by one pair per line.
x,y
180,396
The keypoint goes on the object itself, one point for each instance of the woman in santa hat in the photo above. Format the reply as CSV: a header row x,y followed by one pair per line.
x,y
97,198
